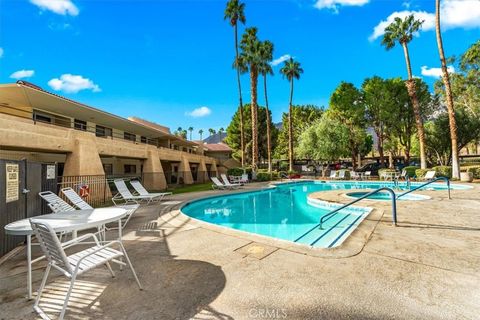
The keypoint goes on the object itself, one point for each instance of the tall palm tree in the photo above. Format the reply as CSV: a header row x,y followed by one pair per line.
x,y
266,69
448,96
402,31
291,70
200,132
211,131
191,130
221,130
235,13
250,59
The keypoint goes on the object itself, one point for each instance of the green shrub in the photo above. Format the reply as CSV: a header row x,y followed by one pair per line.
x,y
411,170
420,173
264,176
475,170
443,171
238,171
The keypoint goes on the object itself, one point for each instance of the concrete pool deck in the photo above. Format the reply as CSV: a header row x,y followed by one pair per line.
x,y
428,267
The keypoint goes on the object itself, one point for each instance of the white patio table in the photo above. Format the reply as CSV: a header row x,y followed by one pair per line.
x,y
70,221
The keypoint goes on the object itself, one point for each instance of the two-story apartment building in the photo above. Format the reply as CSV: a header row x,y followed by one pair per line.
x,y
39,125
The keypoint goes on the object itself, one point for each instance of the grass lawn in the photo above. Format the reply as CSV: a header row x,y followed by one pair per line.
x,y
190,188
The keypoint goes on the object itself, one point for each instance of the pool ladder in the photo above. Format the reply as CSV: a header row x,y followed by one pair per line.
x,y
394,205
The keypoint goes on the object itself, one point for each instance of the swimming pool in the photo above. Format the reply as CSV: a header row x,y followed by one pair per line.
x,y
285,212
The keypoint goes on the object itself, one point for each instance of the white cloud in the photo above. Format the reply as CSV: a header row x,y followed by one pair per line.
x,y
1,52
279,60
335,4
453,13
22,74
70,83
199,112
435,72
63,7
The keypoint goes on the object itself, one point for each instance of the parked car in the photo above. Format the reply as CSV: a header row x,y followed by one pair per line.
x,y
373,167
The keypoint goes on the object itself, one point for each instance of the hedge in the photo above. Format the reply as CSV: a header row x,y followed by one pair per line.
x,y
443,171
411,170
475,170
239,171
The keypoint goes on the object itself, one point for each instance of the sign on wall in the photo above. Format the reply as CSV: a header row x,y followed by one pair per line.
x,y
50,171
12,183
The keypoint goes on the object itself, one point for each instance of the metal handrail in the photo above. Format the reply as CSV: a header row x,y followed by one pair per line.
x,y
426,184
331,213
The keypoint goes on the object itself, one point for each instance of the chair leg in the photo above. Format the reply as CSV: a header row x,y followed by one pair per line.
x,y
67,297
109,267
42,286
130,265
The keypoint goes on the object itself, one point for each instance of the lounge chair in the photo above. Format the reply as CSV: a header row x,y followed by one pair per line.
x,y
218,185
430,175
341,174
55,203
333,174
125,195
244,178
77,263
227,183
143,192
77,201
354,175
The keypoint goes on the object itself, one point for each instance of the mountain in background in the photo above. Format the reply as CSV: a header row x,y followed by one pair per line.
x,y
215,138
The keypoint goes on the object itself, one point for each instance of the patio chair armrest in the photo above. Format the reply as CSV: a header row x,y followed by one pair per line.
x,y
77,240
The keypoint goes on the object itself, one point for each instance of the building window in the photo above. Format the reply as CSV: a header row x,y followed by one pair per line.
x,y
80,125
129,169
41,118
129,136
143,139
101,131
108,169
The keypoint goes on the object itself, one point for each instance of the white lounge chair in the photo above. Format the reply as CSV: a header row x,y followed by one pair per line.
x,y
227,183
218,185
55,203
354,175
341,174
333,174
143,192
77,201
244,178
430,175
125,195
77,263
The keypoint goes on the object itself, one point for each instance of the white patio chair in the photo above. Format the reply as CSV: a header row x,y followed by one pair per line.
x,y
74,198
368,175
333,174
77,263
55,203
354,175
143,192
227,183
125,195
341,174
244,178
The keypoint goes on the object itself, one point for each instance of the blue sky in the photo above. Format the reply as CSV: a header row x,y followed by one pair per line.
x,y
161,60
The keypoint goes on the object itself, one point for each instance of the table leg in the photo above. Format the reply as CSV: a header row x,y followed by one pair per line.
x,y
120,237
29,266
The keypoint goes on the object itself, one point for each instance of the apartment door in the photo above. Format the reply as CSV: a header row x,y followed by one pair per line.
x,y
20,183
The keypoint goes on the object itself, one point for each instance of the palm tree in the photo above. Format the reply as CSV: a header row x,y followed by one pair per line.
x,y
191,130
448,96
266,69
200,132
250,59
211,131
291,70
221,130
402,31
235,13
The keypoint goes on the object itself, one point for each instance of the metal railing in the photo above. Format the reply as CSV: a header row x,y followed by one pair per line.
x,y
333,212
426,184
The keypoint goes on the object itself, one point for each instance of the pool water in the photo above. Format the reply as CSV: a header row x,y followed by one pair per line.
x,y
283,212
386,196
